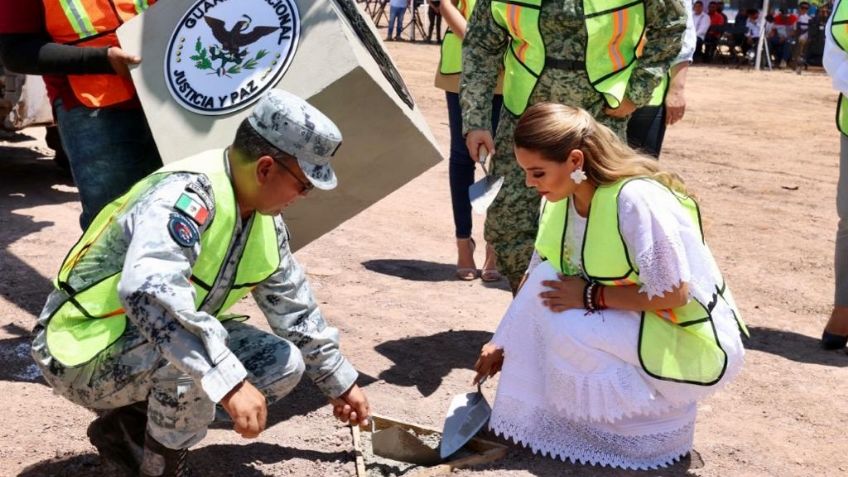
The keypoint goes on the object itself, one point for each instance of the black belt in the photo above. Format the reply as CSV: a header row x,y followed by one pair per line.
x,y
559,64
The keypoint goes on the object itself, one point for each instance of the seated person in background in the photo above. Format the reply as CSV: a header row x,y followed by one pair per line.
x,y
702,24
780,37
752,30
815,37
714,32
801,32
611,342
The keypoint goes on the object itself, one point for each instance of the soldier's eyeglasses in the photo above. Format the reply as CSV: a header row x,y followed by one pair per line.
x,y
305,186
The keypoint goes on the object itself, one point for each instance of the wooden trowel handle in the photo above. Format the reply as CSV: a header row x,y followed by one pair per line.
x,y
482,155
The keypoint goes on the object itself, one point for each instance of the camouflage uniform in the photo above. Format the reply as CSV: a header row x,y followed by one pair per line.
x,y
180,359
511,221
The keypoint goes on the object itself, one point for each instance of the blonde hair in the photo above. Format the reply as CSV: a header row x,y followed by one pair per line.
x,y
554,130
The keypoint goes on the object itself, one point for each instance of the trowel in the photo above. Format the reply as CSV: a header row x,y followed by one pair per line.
x,y
483,192
467,414
398,444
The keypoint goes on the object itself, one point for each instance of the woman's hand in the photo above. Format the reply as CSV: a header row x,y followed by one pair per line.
x,y
489,363
564,294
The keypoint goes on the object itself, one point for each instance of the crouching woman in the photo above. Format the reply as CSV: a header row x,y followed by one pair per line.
x,y
624,321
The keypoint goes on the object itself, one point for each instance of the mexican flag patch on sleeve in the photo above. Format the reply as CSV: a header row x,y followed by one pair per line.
x,y
192,208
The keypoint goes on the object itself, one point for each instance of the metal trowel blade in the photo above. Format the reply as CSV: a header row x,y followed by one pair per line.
x,y
467,414
483,192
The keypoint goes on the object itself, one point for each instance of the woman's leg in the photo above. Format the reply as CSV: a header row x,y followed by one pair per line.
x,y
836,331
461,176
431,18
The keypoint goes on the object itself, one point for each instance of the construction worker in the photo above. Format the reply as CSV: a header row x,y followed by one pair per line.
x,y
103,129
138,321
549,56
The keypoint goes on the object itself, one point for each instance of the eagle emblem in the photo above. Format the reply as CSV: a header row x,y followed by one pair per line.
x,y
230,56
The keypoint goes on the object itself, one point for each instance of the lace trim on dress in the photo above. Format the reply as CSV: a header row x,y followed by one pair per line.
x,y
580,442
662,267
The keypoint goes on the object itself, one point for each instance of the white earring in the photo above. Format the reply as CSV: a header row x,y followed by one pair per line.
x,y
578,176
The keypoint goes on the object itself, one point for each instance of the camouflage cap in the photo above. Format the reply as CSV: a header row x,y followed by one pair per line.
x,y
295,127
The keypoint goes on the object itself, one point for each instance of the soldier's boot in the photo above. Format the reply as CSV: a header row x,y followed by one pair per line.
x,y
160,461
118,436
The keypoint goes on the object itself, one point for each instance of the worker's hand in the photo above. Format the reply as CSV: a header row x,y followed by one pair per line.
x,y
352,407
477,138
623,110
121,60
246,406
675,105
489,363
564,294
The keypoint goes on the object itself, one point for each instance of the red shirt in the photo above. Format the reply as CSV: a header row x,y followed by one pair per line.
x,y
716,18
787,20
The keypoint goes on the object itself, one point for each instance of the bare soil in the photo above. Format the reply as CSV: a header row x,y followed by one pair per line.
x,y
759,149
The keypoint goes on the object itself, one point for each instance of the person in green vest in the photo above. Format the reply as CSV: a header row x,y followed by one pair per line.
x,y
590,54
624,321
646,126
835,60
460,164
138,323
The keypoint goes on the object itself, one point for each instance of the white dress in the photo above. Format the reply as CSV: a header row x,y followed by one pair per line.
x,y
572,386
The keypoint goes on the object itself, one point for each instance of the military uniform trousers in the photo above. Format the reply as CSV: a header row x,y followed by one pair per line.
x,y
179,411
512,219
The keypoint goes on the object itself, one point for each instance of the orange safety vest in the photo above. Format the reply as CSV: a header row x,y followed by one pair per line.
x,y
92,23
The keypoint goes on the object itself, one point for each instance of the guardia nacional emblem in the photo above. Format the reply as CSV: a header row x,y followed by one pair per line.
x,y
224,54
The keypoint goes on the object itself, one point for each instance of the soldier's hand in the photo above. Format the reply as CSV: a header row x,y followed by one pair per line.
x,y
479,137
121,60
675,105
246,406
623,110
352,407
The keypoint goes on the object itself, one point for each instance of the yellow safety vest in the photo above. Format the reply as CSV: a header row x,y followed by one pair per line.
x,y
675,345
615,31
451,61
93,317
839,33
658,96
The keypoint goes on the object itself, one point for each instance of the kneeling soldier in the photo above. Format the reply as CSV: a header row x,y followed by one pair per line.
x,y
137,324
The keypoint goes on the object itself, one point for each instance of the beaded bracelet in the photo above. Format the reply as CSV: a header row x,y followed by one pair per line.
x,y
593,297
588,294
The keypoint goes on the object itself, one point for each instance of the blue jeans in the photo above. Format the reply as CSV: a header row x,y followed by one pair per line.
x,y
109,150
395,13
461,166
646,130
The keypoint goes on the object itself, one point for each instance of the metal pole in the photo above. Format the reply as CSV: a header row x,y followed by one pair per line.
x,y
760,44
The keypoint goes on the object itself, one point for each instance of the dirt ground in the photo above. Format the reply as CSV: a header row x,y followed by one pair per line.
x,y
759,149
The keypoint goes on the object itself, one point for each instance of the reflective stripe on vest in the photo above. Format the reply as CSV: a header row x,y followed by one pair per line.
x,y
450,62
92,23
93,317
675,345
525,56
839,33
615,31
